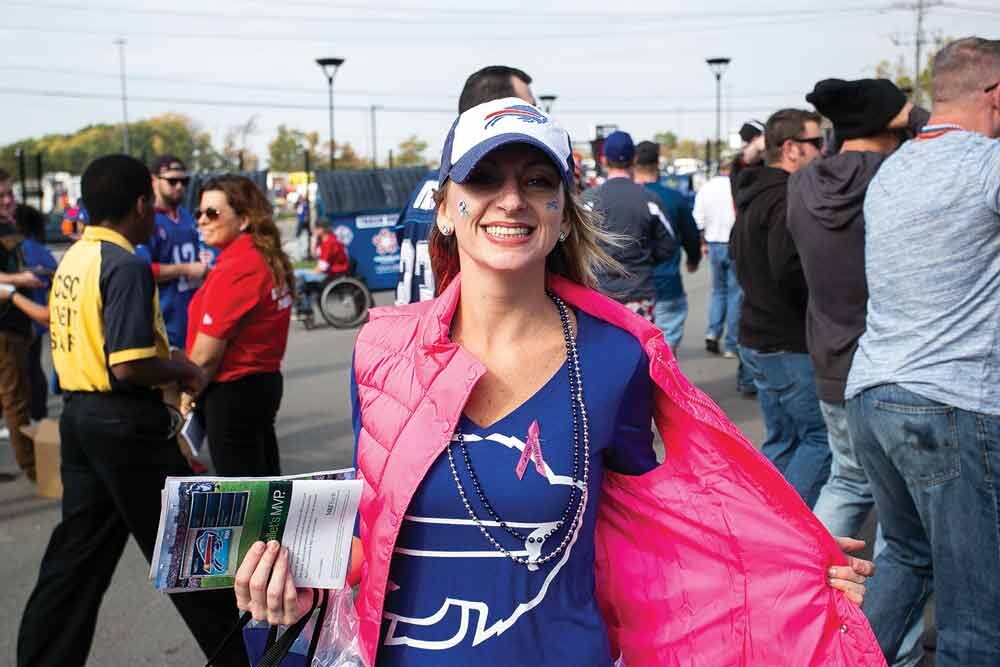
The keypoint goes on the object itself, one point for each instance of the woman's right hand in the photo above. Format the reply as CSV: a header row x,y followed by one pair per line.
x,y
264,586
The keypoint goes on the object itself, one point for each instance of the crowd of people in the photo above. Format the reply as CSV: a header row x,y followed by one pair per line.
x,y
504,413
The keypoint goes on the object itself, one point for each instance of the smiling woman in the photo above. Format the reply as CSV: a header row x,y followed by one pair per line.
x,y
514,511
578,252
238,327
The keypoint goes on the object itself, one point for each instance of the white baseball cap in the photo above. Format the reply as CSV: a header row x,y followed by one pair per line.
x,y
509,120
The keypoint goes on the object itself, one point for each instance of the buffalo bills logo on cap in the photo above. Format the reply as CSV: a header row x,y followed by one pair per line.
x,y
522,112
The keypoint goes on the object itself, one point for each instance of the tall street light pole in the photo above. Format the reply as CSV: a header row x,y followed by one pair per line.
x,y
329,66
718,66
120,43
547,102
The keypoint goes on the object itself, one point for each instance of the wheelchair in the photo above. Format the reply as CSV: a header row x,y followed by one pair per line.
x,y
343,300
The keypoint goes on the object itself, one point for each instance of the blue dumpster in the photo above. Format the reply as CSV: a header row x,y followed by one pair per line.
x,y
362,208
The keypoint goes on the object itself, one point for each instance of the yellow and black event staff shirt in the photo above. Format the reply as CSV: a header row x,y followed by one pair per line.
x,y
104,310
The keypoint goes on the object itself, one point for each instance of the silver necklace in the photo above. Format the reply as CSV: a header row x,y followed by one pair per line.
x,y
577,503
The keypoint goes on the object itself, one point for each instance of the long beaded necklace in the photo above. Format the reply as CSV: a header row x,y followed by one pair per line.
x,y
576,504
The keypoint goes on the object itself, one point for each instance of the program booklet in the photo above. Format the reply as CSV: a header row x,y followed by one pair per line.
x,y
207,525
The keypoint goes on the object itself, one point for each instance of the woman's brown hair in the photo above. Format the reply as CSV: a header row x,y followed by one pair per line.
x,y
247,199
579,258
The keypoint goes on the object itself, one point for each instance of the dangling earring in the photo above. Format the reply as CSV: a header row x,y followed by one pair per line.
x,y
446,230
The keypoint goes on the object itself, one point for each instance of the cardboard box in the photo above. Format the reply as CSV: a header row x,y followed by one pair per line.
x,y
45,435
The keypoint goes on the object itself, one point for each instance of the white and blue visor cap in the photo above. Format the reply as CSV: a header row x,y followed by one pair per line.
x,y
490,125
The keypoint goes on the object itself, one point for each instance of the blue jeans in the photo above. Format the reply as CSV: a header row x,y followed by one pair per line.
x,y
305,277
933,472
744,378
724,306
843,506
846,499
670,315
796,440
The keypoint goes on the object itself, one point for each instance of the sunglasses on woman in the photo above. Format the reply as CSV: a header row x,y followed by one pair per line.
x,y
209,212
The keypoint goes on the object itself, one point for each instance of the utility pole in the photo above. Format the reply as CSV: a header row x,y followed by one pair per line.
x,y
918,41
920,8
120,43
374,107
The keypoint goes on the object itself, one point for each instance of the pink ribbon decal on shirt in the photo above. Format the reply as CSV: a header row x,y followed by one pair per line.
x,y
532,451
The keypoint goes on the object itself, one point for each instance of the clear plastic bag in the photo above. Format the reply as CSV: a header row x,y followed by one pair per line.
x,y
338,640
337,645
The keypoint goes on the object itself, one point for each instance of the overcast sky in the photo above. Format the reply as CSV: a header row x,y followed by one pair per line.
x,y
637,64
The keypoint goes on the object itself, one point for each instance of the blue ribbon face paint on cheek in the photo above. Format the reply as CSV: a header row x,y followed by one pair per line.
x,y
463,209
552,205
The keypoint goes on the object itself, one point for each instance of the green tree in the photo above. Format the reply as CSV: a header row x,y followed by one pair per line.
x,y
286,152
667,141
347,158
411,152
168,133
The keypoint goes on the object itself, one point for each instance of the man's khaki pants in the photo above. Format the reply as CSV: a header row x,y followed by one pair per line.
x,y
15,396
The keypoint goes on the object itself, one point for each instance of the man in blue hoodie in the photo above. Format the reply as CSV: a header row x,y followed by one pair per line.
x,y
826,222
671,306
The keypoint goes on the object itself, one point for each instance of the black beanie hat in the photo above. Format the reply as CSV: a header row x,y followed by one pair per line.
x,y
860,108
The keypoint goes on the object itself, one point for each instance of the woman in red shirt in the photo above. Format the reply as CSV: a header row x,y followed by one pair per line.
x,y
238,327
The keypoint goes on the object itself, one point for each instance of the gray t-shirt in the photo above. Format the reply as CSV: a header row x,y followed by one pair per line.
x,y
932,259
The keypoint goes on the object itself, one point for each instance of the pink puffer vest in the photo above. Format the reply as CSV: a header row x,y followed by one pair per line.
x,y
710,560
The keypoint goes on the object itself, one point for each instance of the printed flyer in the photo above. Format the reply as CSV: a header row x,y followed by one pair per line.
x,y
207,524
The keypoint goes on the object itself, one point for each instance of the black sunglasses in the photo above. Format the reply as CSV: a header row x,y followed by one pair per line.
x,y
990,89
209,212
175,181
817,142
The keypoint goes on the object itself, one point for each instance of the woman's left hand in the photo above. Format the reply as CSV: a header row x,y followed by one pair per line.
x,y
851,578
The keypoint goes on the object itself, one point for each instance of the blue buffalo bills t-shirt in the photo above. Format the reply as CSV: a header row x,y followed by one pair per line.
x,y
416,279
174,242
452,598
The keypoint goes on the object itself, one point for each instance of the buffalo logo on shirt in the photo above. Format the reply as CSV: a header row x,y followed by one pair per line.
x,y
459,619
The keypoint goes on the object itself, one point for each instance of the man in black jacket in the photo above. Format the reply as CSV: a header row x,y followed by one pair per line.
x,y
751,154
826,222
772,318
